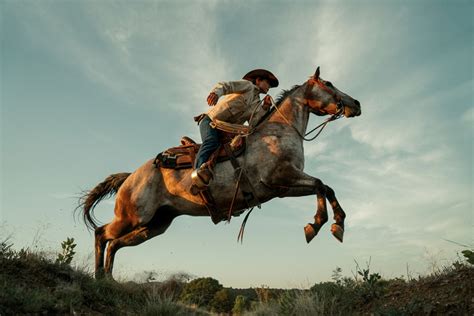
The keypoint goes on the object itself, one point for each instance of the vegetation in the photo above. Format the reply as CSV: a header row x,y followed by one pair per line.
x,y
68,251
200,292
30,283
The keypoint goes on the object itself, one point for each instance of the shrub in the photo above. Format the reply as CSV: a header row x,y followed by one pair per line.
x,y
163,306
469,255
371,287
222,301
68,251
241,304
200,291
264,294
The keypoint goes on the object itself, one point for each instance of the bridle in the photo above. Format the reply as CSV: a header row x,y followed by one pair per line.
x,y
339,106
309,86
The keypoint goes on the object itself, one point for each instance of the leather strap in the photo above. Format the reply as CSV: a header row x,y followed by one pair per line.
x,y
247,188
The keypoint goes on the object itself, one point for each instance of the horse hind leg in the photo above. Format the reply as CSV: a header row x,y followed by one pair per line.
x,y
157,226
100,243
337,229
103,235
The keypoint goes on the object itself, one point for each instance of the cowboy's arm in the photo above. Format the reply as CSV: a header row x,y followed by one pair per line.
x,y
223,88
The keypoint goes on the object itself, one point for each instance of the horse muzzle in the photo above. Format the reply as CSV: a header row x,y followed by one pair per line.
x,y
351,110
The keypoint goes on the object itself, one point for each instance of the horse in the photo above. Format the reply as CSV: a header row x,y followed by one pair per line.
x,y
150,198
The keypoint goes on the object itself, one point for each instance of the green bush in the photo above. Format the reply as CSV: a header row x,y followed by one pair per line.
x,y
222,302
68,251
469,255
241,304
200,291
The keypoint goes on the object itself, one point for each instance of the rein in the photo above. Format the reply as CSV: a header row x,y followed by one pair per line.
x,y
335,116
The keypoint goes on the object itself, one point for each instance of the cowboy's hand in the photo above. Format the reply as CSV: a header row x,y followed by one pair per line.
x,y
267,102
212,99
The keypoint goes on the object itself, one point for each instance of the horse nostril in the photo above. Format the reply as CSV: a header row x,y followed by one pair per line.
x,y
357,102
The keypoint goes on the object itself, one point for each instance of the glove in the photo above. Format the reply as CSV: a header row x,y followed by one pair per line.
x,y
267,102
212,99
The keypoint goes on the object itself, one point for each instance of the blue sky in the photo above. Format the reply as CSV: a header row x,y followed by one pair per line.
x,y
90,88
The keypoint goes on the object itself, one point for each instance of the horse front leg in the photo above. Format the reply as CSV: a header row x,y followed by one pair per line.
x,y
303,185
337,228
321,217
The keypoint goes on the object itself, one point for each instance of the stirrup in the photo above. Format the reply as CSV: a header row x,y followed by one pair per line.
x,y
201,177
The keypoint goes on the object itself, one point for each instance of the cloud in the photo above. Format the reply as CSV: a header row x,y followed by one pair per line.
x,y
138,52
468,116
403,120
312,150
63,196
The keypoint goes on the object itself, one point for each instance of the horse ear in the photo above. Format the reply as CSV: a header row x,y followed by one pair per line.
x,y
316,74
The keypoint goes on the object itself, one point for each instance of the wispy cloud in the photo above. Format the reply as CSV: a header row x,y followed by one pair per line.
x,y
138,52
63,196
468,116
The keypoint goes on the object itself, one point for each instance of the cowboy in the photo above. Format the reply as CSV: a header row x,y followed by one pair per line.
x,y
240,103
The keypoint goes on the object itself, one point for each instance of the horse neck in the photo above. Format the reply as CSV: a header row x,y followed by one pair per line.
x,y
292,112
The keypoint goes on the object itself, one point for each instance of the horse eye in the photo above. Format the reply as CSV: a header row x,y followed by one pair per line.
x,y
328,83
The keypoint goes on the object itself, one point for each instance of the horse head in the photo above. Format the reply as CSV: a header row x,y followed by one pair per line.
x,y
323,98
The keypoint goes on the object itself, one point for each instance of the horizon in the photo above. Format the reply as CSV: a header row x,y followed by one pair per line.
x,y
89,89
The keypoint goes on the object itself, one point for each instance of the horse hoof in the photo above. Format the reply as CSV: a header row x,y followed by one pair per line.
x,y
310,232
337,231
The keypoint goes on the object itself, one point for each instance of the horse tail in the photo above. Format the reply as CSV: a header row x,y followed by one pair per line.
x,y
107,188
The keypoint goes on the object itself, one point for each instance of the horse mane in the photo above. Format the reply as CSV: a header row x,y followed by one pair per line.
x,y
279,99
284,94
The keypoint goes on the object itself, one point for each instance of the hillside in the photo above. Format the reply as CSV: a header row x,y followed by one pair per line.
x,y
32,284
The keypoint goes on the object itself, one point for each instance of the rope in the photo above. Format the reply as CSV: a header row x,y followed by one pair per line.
x,y
237,185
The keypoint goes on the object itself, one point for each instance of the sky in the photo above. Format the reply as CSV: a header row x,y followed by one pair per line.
x,y
91,88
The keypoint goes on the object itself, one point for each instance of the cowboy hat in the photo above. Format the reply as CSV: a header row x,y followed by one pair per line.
x,y
264,74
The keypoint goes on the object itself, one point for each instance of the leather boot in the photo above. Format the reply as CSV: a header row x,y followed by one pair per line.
x,y
201,177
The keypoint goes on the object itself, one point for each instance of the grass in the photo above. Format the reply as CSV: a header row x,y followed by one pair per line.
x,y
30,283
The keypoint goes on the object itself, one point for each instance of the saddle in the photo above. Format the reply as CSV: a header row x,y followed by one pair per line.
x,y
182,157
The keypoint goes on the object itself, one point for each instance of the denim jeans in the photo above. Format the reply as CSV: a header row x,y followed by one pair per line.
x,y
210,141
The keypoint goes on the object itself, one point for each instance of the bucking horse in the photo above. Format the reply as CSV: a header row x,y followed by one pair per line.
x,y
149,199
